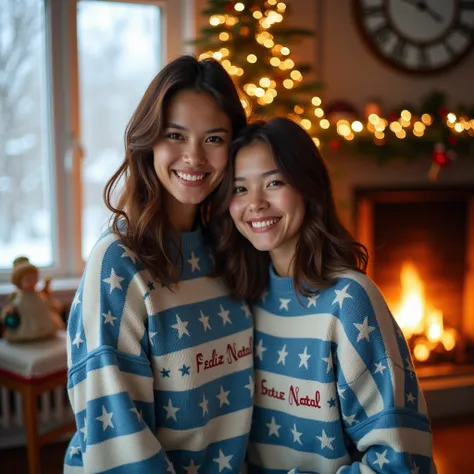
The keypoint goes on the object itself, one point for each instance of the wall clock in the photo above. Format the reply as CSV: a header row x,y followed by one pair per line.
x,y
417,36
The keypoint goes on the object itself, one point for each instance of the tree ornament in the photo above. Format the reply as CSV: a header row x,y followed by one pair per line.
x,y
229,6
441,158
334,144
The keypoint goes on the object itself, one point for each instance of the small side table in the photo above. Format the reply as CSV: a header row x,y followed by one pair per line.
x,y
33,368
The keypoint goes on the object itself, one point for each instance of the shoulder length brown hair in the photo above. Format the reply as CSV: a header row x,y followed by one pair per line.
x,y
324,247
139,218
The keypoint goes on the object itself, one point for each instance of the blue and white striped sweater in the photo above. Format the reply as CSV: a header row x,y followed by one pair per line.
x,y
335,389
159,380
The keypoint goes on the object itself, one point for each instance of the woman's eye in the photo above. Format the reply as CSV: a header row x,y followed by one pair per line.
x,y
174,136
239,189
274,183
215,139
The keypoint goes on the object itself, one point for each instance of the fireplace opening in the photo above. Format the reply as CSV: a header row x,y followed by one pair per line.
x,y
421,246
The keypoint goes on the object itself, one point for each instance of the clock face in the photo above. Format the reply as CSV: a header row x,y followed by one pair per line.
x,y
419,36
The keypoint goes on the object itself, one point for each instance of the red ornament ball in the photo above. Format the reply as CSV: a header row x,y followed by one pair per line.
x,y
441,158
229,7
334,144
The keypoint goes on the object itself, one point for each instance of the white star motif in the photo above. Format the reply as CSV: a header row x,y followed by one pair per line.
x,y
264,296
296,434
223,461
78,340
224,314
341,391
128,253
138,413
381,459
83,430
192,468
409,364
105,419
410,398
304,356
203,405
194,262
326,441
250,386
282,355
399,333
76,300
151,335
205,321
329,362
74,450
259,349
416,469
273,428
341,295
223,400
350,419
245,308
379,368
170,467
109,318
181,326
364,329
284,303
312,300
114,281
171,410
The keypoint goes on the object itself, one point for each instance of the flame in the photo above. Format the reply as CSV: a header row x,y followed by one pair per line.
x,y
416,317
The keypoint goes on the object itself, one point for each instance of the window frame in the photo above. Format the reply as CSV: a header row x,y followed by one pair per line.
x,y
65,156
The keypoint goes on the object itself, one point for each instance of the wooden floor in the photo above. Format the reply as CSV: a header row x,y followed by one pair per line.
x,y
453,451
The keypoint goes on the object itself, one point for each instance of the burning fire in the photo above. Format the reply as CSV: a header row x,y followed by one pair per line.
x,y
418,318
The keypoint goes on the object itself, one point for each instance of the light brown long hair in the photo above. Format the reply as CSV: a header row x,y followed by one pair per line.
x,y
139,218
324,246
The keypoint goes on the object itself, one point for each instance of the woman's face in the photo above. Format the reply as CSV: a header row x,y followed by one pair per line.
x,y
265,209
190,157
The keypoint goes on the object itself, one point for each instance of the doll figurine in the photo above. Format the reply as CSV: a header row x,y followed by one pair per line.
x,y
31,314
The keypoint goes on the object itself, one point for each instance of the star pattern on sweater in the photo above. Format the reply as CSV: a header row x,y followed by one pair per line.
x,y
410,398
170,467
223,460
83,430
171,410
379,368
223,397
151,335
165,373
205,321
204,405
381,459
105,419
326,441
114,281
74,450
332,402
181,327
416,469
250,386
296,434
109,318
184,370
76,301
138,413
128,254
273,428
304,357
245,308
192,468
194,262
350,419
260,349
224,314
284,302
78,340
329,363
312,300
282,355
364,329
341,295
151,285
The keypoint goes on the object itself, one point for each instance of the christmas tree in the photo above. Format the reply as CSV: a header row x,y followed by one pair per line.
x,y
248,38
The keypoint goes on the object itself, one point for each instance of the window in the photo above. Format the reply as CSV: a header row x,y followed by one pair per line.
x,y
71,75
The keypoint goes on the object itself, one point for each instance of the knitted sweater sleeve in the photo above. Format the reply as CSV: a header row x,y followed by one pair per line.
x,y
110,382
381,403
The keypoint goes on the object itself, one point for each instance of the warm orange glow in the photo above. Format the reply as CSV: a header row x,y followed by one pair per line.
x,y
415,316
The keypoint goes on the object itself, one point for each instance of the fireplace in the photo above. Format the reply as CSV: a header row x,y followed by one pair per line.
x,y
421,246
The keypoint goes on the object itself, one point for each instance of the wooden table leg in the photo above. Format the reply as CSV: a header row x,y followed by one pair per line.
x,y
31,424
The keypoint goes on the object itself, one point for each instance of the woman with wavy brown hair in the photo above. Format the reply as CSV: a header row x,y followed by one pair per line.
x,y
335,386
159,355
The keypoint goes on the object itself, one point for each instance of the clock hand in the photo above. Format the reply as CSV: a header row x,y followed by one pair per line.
x,y
424,7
